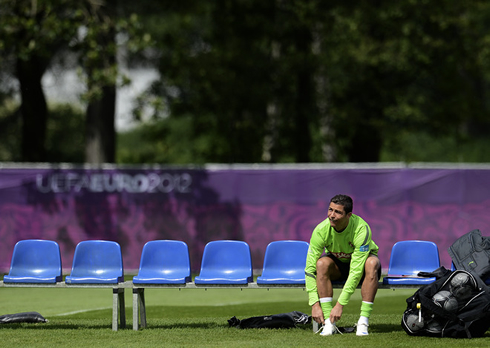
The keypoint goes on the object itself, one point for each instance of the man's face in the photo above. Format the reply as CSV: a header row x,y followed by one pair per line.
x,y
337,216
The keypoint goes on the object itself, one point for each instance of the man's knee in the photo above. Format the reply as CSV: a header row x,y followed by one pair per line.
x,y
325,266
372,266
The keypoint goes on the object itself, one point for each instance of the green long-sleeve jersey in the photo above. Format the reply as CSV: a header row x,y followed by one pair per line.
x,y
354,244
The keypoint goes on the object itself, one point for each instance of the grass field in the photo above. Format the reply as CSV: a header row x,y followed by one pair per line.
x,y
198,318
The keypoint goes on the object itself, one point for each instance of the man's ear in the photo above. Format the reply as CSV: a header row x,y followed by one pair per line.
x,y
349,214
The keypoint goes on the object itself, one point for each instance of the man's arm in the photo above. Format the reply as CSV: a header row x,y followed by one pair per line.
x,y
336,312
315,250
317,313
310,274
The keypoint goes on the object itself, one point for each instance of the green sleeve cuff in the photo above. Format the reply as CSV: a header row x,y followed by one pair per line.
x,y
344,298
313,298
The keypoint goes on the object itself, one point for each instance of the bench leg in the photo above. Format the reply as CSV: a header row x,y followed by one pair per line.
x,y
316,326
118,308
139,308
136,319
122,308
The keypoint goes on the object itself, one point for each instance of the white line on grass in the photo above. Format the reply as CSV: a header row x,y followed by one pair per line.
x,y
81,311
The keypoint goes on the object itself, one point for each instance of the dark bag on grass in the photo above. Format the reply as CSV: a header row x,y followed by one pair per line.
x,y
456,305
275,321
26,317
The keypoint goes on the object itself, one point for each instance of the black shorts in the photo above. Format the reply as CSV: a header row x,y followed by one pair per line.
x,y
344,268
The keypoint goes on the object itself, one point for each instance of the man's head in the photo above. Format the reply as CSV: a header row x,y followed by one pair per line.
x,y
345,201
339,212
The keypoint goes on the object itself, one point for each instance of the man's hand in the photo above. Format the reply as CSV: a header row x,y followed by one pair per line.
x,y
317,313
336,313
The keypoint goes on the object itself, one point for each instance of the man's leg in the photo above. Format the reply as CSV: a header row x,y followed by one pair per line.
x,y
327,271
369,289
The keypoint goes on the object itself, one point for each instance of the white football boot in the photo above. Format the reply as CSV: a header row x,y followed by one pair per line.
x,y
362,329
328,328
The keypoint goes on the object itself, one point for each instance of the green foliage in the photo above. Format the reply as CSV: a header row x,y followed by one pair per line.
x,y
9,130
136,146
34,32
169,141
425,147
148,144
253,81
37,27
65,138
106,28
314,78
222,83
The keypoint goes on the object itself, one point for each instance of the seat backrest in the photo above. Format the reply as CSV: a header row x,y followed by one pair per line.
x,y
226,259
286,258
165,259
36,258
410,257
97,259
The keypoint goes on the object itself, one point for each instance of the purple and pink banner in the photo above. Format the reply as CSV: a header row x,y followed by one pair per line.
x,y
256,204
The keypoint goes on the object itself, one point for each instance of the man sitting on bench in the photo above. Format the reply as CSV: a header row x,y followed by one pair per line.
x,y
351,256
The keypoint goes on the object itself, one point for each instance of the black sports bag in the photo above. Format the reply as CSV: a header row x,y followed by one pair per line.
x,y
275,321
456,305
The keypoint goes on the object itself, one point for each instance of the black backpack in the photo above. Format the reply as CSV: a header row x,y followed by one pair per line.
x,y
471,252
442,309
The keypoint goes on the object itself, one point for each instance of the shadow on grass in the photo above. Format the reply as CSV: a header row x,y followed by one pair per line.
x,y
46,326
385,328
187,325
216,325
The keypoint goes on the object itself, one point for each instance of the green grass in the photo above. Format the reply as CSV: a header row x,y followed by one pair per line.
x,y
197,318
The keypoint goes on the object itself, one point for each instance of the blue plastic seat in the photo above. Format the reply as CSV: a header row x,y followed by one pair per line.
x,y
96,262
410,257
226,262
35,261
164,262
284,263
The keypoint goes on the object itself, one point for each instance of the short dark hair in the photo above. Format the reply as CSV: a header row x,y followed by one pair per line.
x,y
345,201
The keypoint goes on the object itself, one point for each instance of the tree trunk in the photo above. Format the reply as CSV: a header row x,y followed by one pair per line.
x,y
304,97
100,132
366,142
33,109
100,115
